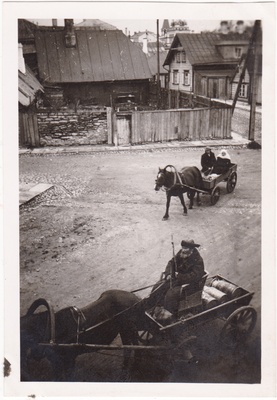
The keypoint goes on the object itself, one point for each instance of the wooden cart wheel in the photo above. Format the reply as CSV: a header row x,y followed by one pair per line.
x,y
238,326
231,182
215,195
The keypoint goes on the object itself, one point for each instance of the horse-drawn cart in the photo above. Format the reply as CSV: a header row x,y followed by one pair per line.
x,y
190,180
211,182
215,299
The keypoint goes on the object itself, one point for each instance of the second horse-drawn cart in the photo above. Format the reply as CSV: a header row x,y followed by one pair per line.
x,y
215,298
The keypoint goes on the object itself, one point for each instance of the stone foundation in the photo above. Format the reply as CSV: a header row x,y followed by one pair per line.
x,y
67,127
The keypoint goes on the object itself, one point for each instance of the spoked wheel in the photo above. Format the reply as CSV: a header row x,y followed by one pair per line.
x,y
238,326
231,182
215,195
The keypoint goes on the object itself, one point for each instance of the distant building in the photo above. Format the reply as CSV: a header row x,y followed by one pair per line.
x,y
97,24
169,30
153,65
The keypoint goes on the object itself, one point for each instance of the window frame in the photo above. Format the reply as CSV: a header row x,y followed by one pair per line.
x,y
181,57
175,74
186,79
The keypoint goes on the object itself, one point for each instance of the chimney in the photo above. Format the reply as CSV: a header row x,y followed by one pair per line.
x,y
21,61
54,22
240,27
224,27
144,45
126,31
70,37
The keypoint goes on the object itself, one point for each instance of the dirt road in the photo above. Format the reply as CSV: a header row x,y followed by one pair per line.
x,y
101,228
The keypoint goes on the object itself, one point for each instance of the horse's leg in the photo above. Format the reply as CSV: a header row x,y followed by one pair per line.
x,y
166,216
198,199
181,197
128,337
191,194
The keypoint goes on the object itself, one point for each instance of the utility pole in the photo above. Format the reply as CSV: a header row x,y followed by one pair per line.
x,y
158,68
254,79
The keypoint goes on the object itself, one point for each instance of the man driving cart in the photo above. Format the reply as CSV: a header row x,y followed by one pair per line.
x,y
187,267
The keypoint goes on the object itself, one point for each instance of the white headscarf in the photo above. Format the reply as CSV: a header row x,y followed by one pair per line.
x,y
224,154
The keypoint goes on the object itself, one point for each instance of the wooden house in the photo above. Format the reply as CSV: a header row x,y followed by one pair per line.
x,y
91,65
206,64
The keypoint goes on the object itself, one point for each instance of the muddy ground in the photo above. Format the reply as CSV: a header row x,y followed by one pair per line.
x,y
101,228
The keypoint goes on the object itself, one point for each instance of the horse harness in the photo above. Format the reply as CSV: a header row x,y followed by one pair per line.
x,y
177,178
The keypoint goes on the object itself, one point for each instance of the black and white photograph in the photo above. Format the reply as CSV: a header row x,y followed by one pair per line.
x,y
138,243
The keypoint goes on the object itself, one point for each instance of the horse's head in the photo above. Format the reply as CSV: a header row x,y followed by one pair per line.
x,y
160,180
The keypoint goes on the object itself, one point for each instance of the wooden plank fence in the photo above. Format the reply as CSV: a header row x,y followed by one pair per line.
x,y
185,124
28,129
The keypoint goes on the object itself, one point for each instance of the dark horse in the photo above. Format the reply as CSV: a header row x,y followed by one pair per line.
x,y
97,323
176,183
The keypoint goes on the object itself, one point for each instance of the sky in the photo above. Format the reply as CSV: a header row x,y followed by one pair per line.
x,y
141,25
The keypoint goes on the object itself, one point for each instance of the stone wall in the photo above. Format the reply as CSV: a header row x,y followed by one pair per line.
x,y
67,127
240,122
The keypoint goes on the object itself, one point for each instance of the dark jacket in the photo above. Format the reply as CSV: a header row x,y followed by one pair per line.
x,y
221,166
189,270
207,161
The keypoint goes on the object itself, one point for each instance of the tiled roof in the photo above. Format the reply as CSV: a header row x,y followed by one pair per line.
x,y
98,56
28,86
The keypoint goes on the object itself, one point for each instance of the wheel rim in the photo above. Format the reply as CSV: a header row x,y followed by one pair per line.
x,y
215,196
238,326
231,183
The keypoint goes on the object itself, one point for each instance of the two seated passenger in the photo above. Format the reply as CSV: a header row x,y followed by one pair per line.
x,y
215,165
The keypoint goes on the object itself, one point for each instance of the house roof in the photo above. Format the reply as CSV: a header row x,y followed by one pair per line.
x,y
28,86
98,56
26,30
138,34
201,48
153,63
96,23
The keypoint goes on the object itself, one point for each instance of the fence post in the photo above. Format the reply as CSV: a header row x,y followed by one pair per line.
x,y
110,124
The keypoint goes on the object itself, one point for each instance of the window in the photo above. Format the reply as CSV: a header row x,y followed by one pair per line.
x,y
238,52
186,78
243,90
181,57
175,79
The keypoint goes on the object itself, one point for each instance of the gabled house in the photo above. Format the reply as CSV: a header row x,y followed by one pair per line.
x,y
206,63
91,65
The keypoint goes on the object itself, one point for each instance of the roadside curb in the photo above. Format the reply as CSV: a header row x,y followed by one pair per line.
x,y
235,141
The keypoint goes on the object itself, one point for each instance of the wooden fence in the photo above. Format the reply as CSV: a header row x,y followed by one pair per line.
x,y
196,124
28,129
167,125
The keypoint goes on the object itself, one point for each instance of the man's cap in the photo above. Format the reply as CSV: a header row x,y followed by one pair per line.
x,y
189,243
208,148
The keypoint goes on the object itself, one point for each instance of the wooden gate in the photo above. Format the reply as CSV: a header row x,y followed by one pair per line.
x,y
28,129
123,129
